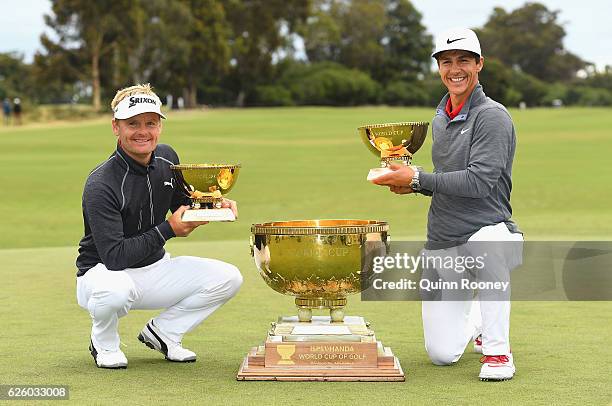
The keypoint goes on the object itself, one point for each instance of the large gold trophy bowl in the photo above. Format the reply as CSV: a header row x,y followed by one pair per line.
x,y
394,142
317,261
320,262
205,185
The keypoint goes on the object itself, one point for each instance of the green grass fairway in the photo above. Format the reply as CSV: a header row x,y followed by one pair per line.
x,y
297,163
309,163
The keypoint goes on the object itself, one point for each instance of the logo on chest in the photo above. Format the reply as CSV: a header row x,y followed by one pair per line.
x,y
169,183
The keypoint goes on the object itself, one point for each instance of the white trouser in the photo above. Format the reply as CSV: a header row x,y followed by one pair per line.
x,y
449,326
188,288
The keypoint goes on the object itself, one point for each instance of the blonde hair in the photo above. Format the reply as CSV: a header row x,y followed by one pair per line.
x,y
132,90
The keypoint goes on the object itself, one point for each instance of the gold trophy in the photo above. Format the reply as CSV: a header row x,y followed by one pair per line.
x,y
393,143
319,262
205,185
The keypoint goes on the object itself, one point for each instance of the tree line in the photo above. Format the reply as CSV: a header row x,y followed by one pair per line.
x,y
289,52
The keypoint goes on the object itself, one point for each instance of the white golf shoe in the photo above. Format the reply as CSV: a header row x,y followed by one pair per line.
x,y
497,367
155,339
108,359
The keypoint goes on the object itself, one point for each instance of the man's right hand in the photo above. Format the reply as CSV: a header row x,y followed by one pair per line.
x,y
183,228
401,190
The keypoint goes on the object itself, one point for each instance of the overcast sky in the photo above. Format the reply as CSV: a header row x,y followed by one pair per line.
x,y
587,23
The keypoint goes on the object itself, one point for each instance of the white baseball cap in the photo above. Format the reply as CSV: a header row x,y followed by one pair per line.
x,y
457,39
138,104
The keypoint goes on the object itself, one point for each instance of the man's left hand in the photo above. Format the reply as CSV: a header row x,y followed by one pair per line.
x,y
232,205
400,177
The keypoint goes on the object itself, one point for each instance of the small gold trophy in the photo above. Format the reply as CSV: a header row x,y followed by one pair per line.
x,y
205,185
320,263
393,143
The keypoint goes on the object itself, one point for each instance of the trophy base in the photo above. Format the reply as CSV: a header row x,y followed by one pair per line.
x,y
321,350
376,172
224,214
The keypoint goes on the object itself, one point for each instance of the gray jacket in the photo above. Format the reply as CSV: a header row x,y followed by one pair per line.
x,y
472,156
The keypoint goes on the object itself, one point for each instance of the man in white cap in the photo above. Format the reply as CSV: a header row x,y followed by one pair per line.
x,y
473,149
122,264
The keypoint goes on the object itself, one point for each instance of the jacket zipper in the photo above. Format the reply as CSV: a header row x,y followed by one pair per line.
x,y
150,197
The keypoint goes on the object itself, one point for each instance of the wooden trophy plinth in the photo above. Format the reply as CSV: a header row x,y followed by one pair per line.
x,y
320,350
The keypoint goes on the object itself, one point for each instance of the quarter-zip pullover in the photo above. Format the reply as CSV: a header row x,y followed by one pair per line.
x,y
124,211
471,182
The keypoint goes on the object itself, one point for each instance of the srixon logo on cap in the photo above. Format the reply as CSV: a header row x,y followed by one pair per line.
x,y
136,100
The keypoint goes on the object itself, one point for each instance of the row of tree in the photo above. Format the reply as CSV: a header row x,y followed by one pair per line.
x,y
232,52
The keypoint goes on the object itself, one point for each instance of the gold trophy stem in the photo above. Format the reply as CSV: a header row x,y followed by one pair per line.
x,y
385,162
335,306
213,202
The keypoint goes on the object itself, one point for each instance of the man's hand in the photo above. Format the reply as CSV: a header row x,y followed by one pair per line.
x,y
401,190
183,228
400,177
232,205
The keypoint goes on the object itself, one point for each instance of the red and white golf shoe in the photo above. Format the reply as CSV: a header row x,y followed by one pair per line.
x,y
478,344
497,367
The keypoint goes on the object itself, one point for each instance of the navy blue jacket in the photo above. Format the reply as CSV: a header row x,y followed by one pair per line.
x,y
124,211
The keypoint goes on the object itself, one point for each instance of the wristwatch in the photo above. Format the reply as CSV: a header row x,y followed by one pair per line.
x,y
415,184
